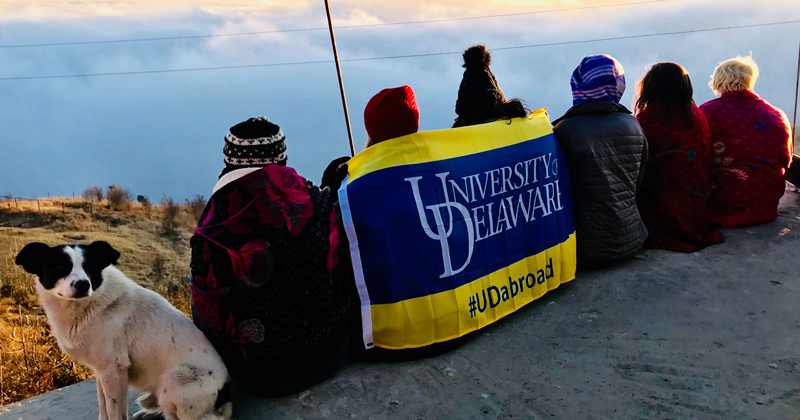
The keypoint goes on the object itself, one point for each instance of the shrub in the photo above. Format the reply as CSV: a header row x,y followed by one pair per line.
x,y
196,206
118,197
169,219
18,294
92,193
67,374
147,206
158,269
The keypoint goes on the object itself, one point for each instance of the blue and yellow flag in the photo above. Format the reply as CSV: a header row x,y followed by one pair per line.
x,y
451,230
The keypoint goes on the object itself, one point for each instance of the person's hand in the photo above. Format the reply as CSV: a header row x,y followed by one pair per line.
x,y
335,173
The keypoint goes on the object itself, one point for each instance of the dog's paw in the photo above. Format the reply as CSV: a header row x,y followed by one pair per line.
x,y
225,412
148,402
148,415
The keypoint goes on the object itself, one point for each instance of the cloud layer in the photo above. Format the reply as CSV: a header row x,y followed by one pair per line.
x,y
162,133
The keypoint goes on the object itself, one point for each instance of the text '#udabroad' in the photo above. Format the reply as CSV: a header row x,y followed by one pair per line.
x,y
493,296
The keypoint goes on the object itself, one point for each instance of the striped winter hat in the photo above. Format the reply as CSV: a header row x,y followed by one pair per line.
x,y
599,78
254,143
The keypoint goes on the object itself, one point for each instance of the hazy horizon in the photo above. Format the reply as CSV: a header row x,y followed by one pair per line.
x,y
163,133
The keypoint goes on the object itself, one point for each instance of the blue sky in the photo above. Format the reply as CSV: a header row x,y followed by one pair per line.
x,y
163,133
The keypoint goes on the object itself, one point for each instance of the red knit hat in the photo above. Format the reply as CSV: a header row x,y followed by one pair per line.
x,y
391,113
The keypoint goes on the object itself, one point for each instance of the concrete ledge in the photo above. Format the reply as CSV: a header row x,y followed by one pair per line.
x,y
712,335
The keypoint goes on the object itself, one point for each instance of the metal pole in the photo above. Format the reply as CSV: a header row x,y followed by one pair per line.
x,y
341,83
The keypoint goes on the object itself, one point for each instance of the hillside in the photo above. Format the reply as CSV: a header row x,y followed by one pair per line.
x,y
30,361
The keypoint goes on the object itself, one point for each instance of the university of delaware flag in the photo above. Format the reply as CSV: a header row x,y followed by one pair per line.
x,y
451,230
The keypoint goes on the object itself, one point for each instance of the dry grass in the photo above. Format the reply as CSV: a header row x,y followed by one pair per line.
x,y
30,361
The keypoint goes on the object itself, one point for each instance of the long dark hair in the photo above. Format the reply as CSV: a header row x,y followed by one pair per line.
x,y
504,111
670,84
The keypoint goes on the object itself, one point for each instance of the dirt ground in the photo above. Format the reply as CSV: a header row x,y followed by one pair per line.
x,y
712,335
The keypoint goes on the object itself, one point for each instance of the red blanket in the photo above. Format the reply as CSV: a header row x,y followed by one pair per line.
x,y
752,147
264,286
674,200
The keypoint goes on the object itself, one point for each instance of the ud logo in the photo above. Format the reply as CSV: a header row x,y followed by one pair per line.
x,y
444,230
487,204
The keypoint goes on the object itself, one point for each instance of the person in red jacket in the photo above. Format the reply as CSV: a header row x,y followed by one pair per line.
x,y
674,200
751,143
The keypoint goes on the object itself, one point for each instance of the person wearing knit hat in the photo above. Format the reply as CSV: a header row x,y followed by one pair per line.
x,y
392,113
480,99
268,289
605,149
254,143
599,78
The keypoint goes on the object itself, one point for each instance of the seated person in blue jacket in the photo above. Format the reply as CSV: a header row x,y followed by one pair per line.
x,y
605,149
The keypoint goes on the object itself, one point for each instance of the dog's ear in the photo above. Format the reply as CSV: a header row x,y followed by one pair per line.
x,y
32,257
104,253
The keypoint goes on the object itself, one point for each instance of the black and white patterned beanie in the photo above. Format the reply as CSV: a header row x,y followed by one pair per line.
x,y
254,143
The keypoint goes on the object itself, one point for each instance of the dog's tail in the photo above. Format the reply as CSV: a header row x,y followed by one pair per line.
x,y
150,409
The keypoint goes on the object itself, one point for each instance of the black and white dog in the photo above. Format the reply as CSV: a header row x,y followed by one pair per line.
x,y
127,335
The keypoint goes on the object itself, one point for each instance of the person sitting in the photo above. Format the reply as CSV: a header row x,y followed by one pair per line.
x,y
265,286
605,150
480,99
751,144
793,173
391,113
674,200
